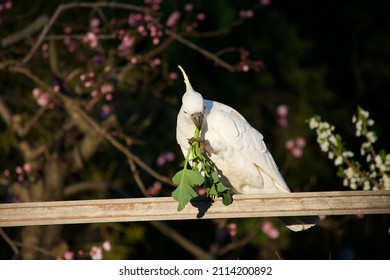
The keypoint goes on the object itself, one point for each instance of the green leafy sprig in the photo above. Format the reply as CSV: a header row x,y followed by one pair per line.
x,y
202,173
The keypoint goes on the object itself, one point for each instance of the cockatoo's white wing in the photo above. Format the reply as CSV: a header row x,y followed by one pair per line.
x,y
247,142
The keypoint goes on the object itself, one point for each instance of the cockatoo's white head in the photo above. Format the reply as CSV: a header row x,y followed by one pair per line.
x,y
193,103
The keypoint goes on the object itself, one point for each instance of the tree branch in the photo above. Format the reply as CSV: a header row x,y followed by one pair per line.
x,y
202,51
65,7
24,33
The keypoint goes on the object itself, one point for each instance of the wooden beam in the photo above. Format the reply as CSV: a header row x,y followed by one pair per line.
x,y
165,208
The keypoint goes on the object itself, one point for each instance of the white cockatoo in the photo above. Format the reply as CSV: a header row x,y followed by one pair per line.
x,y
234,147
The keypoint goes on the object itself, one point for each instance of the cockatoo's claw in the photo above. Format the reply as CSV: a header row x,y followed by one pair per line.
x,y
203,145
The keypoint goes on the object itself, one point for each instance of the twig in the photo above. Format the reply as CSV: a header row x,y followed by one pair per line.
x,y
26,32
216,33
72,105
137,178
9,242
204,52
36,248
195,250
65,7
240,243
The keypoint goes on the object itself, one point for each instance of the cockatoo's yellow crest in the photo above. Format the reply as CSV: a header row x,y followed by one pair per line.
x,y
186,80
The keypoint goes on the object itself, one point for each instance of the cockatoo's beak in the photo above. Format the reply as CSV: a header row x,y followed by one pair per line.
x,y
197,118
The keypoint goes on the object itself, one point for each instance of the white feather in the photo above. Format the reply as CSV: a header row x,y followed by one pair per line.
x,y
237,150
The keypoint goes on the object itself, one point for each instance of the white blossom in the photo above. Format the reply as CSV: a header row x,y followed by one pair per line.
x,y
371,137
366,186
359,127
313,123
386,181
338,161
348,154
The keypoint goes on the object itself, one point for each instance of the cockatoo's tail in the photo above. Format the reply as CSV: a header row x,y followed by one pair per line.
x,y
186,81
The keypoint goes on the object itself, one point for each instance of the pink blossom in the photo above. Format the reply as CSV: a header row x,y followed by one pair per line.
x,y
69,255
157,185
164,158
19,170
108,97
268,228
94,23
201,191
135,18
290,144
246,13
6,173
126,44
68,30
141,29
56,88
156,41
134,60
282,110
107,88
92,40
45,47
8,5
173,76
245,68
88,84
188,7
106,245
21,178
45,50
155,188
173,19
43,99
155,62
232,227
27,167
96,253
94,93
201,16
300,142
265,2
160,161
297,152
80,252
36,92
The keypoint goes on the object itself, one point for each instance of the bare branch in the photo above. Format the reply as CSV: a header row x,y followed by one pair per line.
x,y
195,250
5,113
68,102
240,243
204,52
24,33
137,178
65,7
9,242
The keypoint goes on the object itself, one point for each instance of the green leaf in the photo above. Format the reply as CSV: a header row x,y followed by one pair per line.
x,y
186,179
217,182
227,197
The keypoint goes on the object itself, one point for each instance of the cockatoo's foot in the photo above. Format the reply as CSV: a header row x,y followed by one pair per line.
x,y
203,146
